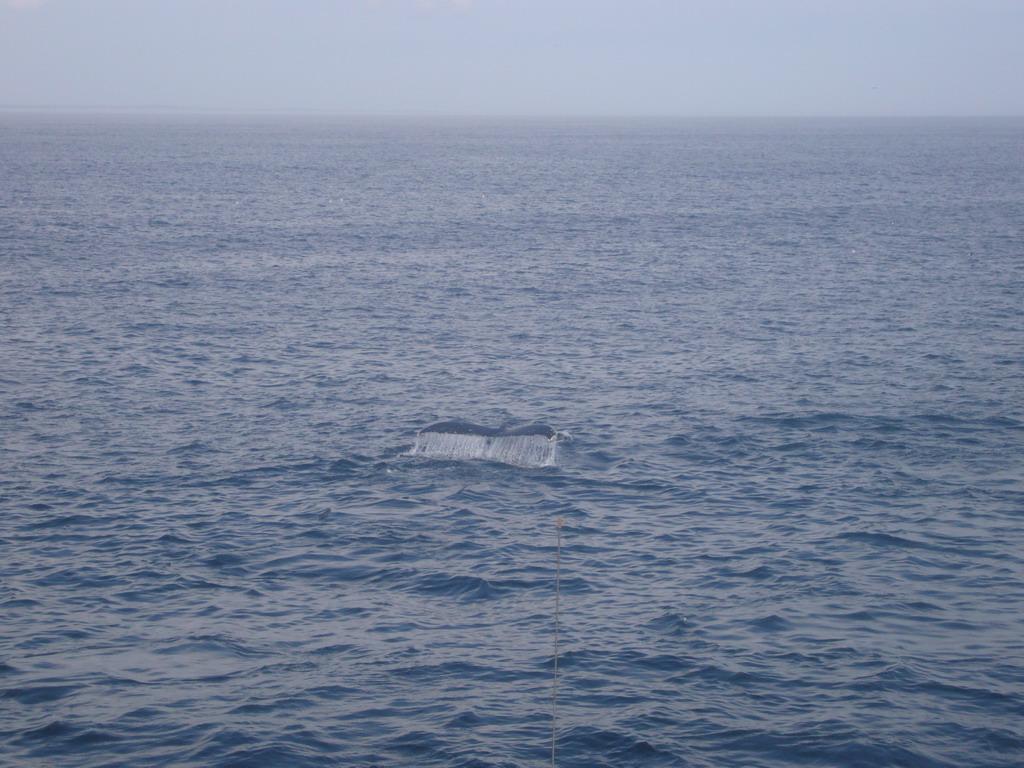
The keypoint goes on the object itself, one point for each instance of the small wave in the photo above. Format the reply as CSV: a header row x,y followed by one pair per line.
x,y
225,561
758,573
93,737
466,719
671,623
39,694
461,586
195,447
771,623
812,421
62,521
461,670
208,646
883,540
343,467
624,748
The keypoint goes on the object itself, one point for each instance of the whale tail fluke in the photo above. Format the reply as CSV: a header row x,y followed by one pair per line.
x,y
533,445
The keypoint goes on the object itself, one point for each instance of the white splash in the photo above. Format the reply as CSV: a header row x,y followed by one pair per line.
x,y
520,450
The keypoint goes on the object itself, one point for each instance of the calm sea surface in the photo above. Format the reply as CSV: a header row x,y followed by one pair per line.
x,y
790,353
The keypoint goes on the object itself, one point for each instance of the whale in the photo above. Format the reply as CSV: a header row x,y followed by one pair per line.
x,y
465,428
531,445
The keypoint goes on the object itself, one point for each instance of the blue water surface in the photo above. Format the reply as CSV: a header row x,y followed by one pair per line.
x,y
789,353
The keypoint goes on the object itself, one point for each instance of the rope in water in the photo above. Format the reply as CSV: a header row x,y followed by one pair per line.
x,y
554,678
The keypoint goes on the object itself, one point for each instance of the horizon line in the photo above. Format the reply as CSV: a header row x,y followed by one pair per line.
x,y
156,109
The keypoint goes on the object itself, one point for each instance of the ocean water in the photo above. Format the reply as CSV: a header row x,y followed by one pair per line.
x,y
789,353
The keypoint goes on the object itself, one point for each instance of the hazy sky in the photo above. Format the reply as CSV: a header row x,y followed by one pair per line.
x,y
530,57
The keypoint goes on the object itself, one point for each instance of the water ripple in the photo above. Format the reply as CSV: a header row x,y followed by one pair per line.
x,y
788,354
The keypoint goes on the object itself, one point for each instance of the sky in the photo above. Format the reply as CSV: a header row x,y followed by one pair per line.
x,y
518,57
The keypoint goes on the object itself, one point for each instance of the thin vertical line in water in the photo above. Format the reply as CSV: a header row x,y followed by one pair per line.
x,y
554,676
